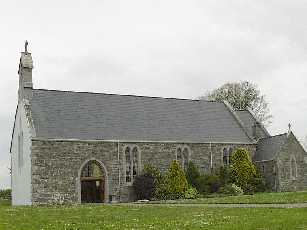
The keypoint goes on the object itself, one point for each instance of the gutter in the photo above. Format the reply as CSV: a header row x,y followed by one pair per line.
x,y
137,141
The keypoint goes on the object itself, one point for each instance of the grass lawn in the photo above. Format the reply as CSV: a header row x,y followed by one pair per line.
x,y
260,198
148,217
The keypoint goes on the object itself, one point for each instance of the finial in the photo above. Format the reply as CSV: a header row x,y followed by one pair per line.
x,y
289,126
26,46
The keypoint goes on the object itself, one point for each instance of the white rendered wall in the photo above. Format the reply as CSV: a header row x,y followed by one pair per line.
x,y
21,174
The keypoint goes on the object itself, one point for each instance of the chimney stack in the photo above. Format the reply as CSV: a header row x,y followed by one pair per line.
x,y
25,75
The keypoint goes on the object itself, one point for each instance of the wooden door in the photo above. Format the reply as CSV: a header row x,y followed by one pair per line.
x,y
92,191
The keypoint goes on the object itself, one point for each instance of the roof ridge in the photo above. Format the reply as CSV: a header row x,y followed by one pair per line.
x,y
270,137
128,95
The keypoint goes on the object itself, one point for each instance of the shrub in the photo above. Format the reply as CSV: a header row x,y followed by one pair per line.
x,y
144,187
174,184
5,194
192,175
153,171
242,168
225,175
202,185
161,190
208,184
257,183
191,193
214,183
231,189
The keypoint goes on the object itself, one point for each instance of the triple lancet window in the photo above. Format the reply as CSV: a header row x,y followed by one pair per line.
x,y
131,162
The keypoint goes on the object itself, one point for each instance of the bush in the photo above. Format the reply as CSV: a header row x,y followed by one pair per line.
x,y
225,175
242,169
208,184
214,183
173,185
144,187
191,193
192,175
5,194
153,171
256,184
232,189
202,185
159,187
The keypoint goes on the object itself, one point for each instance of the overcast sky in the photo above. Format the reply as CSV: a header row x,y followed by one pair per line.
x,y
157,48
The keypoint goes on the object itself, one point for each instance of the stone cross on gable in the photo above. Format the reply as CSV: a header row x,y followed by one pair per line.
x,y
26,46
289,128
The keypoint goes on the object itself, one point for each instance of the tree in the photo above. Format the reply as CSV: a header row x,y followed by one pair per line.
x,y
242,169
174,183
242,95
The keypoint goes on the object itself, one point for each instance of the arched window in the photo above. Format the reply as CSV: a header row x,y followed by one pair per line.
x,y
185,154
293,168
131,162
179,156
128,164
182,156
91,169
230,152
134,162
225,156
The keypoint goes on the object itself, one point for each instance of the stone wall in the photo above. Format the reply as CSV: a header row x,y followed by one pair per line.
x,y
56,165
270,171
286,182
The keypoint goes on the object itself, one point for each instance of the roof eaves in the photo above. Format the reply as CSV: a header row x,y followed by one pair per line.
x,y
135,141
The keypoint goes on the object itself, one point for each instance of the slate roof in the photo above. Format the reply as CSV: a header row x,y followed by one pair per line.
x,y
248,121
98,116
267,148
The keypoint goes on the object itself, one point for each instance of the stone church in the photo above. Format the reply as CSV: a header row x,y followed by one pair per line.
x,y
73,147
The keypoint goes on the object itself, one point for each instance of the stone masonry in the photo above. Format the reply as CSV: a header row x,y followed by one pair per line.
x,y
56,165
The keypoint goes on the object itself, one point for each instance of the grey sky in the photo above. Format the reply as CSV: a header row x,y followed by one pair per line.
x,y
157,48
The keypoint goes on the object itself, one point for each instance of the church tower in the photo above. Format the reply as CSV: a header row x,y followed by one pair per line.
x,y
25,75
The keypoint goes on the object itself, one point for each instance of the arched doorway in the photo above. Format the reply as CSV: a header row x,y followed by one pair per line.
x,y
92,180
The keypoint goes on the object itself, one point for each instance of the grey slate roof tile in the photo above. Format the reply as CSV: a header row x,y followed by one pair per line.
x,y
98,116
267,148
248,121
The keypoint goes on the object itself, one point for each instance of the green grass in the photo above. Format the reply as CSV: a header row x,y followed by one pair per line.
x,y
148,217
162,216
260,198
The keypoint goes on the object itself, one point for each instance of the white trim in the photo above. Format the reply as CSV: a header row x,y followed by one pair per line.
x,y
106,183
